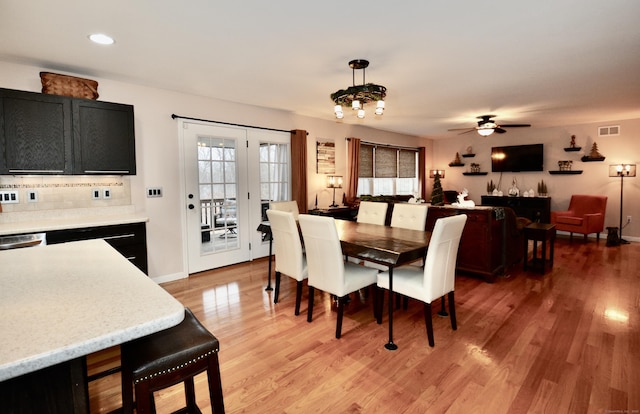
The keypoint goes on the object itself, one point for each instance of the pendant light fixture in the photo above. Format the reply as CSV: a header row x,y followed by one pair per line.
x,y
357,96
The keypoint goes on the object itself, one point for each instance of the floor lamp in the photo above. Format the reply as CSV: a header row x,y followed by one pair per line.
x,y
622,170
334,181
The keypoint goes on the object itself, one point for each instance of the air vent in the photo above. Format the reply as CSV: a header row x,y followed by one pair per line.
x,y
607,131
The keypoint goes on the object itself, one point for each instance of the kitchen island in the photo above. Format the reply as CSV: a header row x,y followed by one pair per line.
x,y
62,302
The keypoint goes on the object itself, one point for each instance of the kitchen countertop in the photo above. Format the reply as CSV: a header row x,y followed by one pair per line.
x,y
43,221
64,301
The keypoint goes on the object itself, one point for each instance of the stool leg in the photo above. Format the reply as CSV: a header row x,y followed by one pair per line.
x,y
127,386
215,385
190,395
144,399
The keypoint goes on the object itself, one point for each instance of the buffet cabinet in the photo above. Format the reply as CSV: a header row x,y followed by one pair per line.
x,y
50,134
481,250
536,209
128,239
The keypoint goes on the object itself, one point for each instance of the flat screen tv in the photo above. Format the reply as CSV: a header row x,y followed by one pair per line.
x,y
517,158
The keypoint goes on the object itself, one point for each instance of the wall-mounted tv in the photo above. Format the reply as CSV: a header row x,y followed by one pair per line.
x,y
517,158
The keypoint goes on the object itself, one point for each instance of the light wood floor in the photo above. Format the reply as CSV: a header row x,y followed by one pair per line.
x,y
566,342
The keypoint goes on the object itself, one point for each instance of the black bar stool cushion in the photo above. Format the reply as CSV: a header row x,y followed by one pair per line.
x,y
170,349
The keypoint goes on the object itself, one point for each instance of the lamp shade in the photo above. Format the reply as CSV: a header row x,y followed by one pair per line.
x,y
334,181
433,173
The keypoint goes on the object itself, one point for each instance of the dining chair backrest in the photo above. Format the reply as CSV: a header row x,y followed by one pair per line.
x,y
287,244
324,253
290,206
409,216
440,263
372,212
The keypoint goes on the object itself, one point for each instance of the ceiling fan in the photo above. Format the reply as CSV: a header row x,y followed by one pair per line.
x,y
487,126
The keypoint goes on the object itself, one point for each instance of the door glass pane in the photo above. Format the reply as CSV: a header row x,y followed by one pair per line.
x,y
217,175
274,174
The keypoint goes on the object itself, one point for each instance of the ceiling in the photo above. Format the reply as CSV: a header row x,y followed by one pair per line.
x,y
547,63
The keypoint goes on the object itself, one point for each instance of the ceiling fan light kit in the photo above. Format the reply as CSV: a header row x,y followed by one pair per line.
x,y
357,96
487,126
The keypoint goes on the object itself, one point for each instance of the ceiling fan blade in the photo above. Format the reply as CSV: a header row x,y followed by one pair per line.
x,y
514,125
466,132
461,129
499,130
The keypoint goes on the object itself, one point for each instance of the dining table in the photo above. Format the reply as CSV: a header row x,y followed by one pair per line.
x,y
60,303
384,245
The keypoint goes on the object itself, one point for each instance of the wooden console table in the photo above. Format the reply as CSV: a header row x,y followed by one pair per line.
x,y
536,209
481,245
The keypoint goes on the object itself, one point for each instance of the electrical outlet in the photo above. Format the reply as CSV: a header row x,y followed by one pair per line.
x,y
106,193
9,197
628,219
95,194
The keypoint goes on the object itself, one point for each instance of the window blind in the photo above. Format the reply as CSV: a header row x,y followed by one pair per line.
x,y
386,162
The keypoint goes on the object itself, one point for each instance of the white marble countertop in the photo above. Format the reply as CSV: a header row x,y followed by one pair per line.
x,y
64,301
43,221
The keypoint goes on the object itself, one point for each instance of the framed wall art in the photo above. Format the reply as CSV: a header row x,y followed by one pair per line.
x,y
326,157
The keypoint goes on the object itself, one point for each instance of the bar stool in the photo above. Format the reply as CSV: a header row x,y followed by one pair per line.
x,y
167,358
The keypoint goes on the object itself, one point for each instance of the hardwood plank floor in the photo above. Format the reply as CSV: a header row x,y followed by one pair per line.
x,y
565,342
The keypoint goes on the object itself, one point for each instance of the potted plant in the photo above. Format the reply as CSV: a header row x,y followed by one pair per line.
x,y
490,187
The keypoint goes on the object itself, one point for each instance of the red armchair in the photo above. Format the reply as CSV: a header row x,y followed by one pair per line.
x,y
585,216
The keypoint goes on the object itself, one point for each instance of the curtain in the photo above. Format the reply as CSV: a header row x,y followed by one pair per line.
x,y
353,168
299,169
422,171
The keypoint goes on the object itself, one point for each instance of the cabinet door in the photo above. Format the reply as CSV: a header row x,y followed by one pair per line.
x,y
35,133
104,138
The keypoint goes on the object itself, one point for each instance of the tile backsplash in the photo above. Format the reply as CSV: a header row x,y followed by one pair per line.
x,y
65,192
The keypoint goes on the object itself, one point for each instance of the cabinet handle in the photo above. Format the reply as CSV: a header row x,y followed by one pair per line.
x,y
119,236
107,171
35,171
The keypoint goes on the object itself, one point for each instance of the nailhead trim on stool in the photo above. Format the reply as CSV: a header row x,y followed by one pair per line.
x,y
167,358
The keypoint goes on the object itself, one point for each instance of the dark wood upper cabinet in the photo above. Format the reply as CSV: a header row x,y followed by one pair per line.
x,y
49,134
103,138
35,133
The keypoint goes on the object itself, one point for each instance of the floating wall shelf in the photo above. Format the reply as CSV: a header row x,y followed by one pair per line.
x,y
572,149
566,172
589,159
474,173
468,155
453,164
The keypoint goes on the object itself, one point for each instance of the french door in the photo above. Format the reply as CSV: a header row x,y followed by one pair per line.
x,y
230,175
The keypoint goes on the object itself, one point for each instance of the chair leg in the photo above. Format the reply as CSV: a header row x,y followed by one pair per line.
x,y
310,308
585,238
380,304
190,395
126,387
452,311
429,323
215,385
341,301
276,293
144,398
570,237
298,297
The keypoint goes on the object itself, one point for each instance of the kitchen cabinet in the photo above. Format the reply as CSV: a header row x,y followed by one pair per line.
x,y
128,239
50,134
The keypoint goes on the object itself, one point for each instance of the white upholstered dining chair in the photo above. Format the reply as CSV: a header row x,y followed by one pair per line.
x,y
372,212
290,258
438,277
409,216
328,270
290,206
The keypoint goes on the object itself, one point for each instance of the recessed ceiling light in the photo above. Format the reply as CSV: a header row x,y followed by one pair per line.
x,y
102,39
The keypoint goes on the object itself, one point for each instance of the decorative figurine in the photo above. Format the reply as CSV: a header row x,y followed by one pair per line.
x,y
513,190
573,141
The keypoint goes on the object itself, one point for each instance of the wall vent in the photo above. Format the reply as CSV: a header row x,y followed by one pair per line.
x,y
607,131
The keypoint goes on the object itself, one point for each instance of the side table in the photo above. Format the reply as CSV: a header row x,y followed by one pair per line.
x,y
539,232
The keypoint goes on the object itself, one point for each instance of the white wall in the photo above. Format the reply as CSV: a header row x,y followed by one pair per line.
x,y
157,150
593,180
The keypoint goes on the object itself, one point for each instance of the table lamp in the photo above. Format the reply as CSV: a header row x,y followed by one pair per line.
x,y
334,181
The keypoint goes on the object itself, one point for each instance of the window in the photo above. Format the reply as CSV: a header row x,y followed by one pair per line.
x,y
274,174
386,170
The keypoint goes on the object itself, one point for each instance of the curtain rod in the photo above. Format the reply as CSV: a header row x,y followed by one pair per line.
x,y
384,145
174,116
